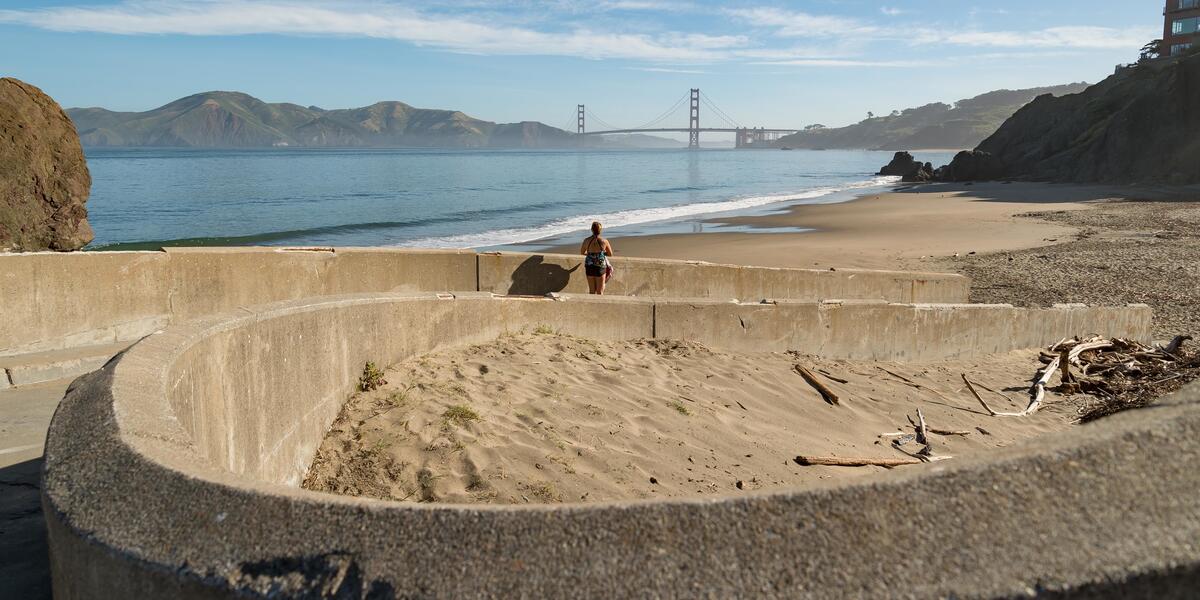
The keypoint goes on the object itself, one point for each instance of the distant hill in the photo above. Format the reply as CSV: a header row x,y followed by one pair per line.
x,y
961,125
1137,126
237,120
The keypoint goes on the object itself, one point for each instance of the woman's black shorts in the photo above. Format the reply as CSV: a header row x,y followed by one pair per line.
x,y
594,270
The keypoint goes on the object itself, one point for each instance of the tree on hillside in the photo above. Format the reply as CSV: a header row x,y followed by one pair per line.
x,y
1151,51
814,126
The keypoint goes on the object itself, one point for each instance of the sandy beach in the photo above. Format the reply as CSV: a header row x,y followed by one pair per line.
x,y
884,230
1028,244
542,417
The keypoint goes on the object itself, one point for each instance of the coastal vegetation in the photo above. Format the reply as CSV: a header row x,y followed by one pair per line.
x,y
938,125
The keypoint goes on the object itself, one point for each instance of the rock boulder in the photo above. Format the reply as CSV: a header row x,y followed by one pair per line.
x,y
902,164
44,179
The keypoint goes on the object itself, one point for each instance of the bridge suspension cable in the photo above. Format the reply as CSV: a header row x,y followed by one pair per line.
x,y
669,112
720,113
592,116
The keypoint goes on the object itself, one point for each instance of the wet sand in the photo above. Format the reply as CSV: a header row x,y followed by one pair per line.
x,y
882,231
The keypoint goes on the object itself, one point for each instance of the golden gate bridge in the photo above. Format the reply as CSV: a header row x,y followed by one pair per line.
x,y
744,137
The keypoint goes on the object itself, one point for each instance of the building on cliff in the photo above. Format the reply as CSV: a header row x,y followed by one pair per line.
x,y
1182,28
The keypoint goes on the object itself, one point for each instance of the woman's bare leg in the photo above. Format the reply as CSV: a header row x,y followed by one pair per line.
x,y
600,281
592,284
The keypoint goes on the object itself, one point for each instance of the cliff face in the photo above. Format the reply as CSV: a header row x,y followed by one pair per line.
x,y
237,120
1140,125
44,180
961,125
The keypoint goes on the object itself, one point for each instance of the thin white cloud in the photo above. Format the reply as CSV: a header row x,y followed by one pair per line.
x,y
788,23
846,62
1053,37
376,20
891,11
669,70
834,40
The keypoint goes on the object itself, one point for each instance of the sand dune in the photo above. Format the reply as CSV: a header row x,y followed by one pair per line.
x,y
541,417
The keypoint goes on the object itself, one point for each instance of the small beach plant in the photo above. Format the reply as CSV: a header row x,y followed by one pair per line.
x,y
372,378
460,414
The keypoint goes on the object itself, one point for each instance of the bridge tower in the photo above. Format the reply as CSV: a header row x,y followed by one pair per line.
x,y
580,127
694,121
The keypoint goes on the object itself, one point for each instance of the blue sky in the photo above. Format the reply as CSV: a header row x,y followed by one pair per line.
x,y
778,64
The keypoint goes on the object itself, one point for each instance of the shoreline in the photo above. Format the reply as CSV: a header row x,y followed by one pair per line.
x,y
882,230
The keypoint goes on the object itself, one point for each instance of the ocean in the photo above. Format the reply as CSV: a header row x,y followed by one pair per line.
x,y
522,199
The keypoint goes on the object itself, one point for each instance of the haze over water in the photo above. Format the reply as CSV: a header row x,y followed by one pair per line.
x,y
446,198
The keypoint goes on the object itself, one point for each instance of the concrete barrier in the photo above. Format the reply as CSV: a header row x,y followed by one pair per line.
x,y
54,301
538,274
172,473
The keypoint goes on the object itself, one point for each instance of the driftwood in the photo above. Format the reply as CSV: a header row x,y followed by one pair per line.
x,y
832,378
948,432
914,384
990,410
821,388
1064,359
837,461
922,432
1176,344
1038,391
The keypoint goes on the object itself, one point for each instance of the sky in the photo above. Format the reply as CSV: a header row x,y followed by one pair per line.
x,y
762,62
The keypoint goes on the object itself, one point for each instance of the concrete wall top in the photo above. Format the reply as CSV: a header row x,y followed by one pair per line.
x,y
54,300
171,472
537,274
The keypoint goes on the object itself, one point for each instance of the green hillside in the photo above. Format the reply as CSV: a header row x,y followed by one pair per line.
x,y
237,120
962,125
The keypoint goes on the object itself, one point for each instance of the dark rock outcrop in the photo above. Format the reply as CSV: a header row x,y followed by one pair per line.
x,y
44,179
902,164
1140,125
909,170
971,165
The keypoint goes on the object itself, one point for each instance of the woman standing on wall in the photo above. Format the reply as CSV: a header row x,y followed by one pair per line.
x,y
596,251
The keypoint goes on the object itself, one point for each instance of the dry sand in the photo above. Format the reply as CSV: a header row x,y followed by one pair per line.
x,y
882,231
540,417
1026,244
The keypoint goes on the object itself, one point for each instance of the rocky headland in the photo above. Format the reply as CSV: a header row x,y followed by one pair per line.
x,y
1137,126
44,179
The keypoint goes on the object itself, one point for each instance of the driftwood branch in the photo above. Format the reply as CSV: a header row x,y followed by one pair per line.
x,y
947,432
833,378
990,410
821,388
1176,344
985,406
837,461
922,430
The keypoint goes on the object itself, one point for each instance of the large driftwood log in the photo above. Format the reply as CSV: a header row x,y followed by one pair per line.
x,y
837,461
821,388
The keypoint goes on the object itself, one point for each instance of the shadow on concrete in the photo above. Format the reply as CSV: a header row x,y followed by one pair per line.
x,y
24,555
535,277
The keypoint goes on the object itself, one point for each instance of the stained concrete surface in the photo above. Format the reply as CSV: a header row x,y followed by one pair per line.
x,y
25,414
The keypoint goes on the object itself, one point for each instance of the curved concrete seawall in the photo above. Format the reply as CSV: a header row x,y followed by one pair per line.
x,y
172,472
54,301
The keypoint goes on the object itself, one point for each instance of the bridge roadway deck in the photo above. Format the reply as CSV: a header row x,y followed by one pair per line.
x,y
686,130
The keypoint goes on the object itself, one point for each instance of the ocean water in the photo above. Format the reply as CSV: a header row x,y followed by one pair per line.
x,y
144,198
